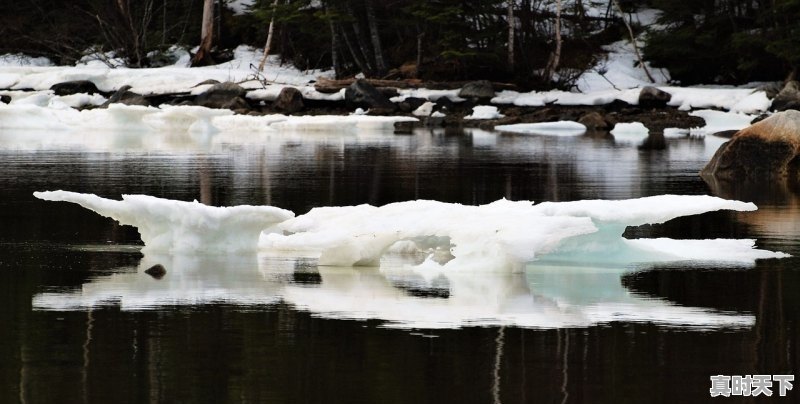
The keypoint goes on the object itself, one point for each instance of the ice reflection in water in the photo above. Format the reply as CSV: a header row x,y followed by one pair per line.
x,y
402,297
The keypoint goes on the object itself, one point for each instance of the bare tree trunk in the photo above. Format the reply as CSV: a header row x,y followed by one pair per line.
x,y
511,26
361,42
203,55
633,42
555,57
337,64
420,37
270,31
354,52
380,64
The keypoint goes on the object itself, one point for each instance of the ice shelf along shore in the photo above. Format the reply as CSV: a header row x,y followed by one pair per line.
x,y
500,236
179,119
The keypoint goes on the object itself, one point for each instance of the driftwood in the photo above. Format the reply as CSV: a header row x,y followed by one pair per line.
x,y
325,85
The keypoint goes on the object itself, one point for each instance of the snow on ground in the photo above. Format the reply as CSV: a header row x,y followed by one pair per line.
x,y
560,128
424,93
170,79
718,121
620,70
240,7
23,60
500,236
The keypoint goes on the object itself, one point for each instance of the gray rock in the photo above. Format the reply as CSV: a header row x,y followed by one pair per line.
x,y
223,96
767,149
481,90
651,97
290,100
363,95
74,87
127,97
788,98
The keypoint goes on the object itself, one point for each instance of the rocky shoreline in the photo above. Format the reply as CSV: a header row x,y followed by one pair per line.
x,y
360,95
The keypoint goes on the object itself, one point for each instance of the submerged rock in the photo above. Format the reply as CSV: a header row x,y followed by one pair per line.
x,y
74,87
157,271
788,98
769,148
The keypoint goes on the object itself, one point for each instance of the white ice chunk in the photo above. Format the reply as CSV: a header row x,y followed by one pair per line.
x,y
560,128
675,133
497,236
178,226
425,109
630,132
500,236
484,112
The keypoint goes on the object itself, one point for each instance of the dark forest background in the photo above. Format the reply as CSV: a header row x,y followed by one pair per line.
x,y
544,46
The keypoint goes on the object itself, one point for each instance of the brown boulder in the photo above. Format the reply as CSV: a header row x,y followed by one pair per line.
x,y
651,97
594,121
290,100
769,148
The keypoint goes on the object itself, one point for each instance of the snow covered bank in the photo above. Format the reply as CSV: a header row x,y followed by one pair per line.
x,y
160,80
500,236
744,100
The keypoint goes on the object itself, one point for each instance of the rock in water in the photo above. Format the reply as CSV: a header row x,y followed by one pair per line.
x,y
482,90
788,98
651,97
594,121
127,97
157,271
363,95
769,148
290,100
74,87
224,96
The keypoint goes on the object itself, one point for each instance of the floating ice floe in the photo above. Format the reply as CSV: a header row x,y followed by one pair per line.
x,y
500,236
630,132
560,128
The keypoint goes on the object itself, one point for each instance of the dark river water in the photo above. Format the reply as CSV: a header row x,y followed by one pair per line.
x,y
81,323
